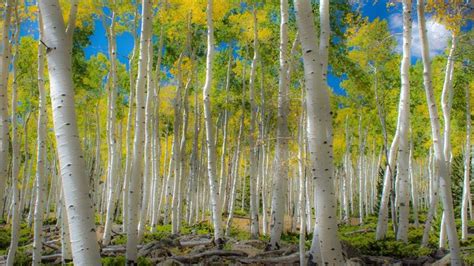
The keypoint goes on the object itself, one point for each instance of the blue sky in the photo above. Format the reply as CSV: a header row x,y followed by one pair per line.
x,y
438,35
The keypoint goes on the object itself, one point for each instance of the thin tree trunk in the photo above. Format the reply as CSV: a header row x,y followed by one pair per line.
x,y
4,119
148,171
441,162
466,194
111,134
280,180
15,222
138,147
40,185
254,225
234,181
403,157
211,149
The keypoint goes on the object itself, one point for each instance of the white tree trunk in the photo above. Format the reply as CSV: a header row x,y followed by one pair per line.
x,y
40,183
175,156
280,180
441,162
148,171
302,183
80,213
138,145
466,194
15,221
211,149
223,177
403,157
235,175
254,227
156,138
4,119
128,147
111,134
319,130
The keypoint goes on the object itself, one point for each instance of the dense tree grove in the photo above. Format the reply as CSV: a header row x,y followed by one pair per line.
x,y
227,132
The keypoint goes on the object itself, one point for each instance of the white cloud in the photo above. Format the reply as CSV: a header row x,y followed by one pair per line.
x,y
438,35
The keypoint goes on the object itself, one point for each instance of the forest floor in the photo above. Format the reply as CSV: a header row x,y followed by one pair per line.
x,y
194,246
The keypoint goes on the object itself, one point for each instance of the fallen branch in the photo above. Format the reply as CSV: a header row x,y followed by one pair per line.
x,y
195,258
51,258
193,243
365,230
290,259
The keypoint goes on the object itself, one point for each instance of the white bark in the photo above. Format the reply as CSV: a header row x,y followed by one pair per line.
x,y
15,168
254,227
403,128
211,149
4,119
223,177
85,249
302,183
319,130
128,147
137,159
40,183
280,180
148,171
111,134
175,156
466,194
235,176
156,139
441,162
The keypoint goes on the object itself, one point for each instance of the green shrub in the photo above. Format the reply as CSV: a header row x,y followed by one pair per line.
x,y
119,240
113,261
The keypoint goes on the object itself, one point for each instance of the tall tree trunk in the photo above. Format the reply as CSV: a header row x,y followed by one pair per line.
x,y
254,232
40,183
441,162
15,222
128,147
138,145
280,180
4,119
466,194
175,156
235,175
403,157
223,177
148,171
111,134
157,146
80,213
211,148
319,131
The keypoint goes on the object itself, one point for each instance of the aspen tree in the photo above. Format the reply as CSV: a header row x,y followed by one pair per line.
x,y
254,227
403,127
466,194
128,146
16,215
4,119
111,133
148,164
319,130
58,39
280,180
210,141
138,145
439,156
40,182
